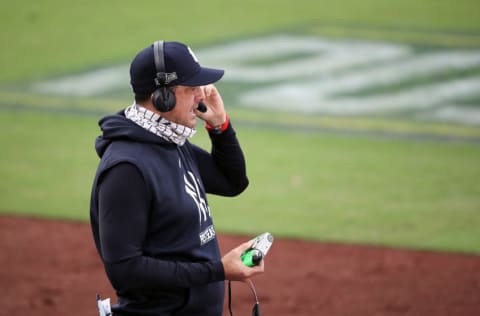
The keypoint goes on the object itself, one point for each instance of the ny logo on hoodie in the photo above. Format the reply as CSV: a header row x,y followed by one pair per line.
x,y
193,189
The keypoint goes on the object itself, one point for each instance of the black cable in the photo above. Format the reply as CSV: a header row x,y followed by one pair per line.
x,y
256,307
252,287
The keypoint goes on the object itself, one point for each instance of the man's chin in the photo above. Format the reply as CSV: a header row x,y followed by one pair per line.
x,y
192,123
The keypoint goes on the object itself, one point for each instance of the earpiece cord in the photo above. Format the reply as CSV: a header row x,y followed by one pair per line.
x,y
254,291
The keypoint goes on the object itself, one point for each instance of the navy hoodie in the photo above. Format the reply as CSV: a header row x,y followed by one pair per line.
x,y
151,221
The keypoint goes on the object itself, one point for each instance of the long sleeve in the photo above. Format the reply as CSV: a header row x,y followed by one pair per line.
x,y
123,221
223,170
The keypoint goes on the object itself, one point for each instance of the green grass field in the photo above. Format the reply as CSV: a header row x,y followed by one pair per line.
x,y
314,182
49,37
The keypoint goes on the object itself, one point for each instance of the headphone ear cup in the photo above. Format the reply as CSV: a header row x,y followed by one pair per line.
x,y
163,99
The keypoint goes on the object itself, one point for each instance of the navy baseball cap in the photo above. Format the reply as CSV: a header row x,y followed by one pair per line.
x,y
181,67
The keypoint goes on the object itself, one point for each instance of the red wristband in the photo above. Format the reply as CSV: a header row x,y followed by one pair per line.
x,y
219,129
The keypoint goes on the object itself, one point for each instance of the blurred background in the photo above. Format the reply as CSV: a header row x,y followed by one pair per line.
x,y
360,120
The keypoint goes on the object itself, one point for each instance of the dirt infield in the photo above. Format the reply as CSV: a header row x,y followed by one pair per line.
x,y
51,268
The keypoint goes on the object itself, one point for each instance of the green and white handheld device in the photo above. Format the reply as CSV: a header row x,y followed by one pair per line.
x,y
258,251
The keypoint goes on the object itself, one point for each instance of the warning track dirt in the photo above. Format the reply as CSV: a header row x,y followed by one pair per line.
x,y
51,268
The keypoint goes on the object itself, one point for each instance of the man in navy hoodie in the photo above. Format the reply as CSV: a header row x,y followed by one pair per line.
x,y
149,213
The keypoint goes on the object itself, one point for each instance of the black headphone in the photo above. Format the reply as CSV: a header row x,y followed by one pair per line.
x,y
163,98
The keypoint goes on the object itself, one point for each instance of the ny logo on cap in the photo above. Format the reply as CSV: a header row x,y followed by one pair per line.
x,y
193,55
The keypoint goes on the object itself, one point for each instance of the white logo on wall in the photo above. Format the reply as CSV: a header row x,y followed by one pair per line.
x,y
326,76
349,77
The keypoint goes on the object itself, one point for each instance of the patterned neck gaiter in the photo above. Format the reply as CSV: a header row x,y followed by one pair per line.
x,y
156,124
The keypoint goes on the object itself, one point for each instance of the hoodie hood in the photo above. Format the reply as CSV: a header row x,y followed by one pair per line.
x,y
118,127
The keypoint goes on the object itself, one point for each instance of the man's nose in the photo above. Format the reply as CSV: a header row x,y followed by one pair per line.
x,y
201,91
